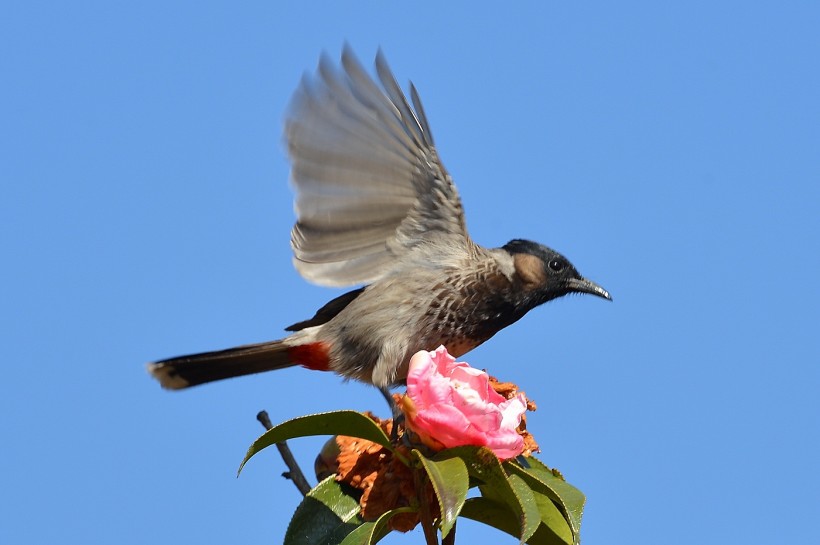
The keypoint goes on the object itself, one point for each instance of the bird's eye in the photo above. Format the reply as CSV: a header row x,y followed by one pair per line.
x,y
556,265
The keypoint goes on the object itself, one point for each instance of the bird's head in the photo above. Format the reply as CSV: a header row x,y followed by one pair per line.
x,y
545,274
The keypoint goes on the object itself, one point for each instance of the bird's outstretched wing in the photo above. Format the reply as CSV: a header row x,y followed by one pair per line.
x,y
369,184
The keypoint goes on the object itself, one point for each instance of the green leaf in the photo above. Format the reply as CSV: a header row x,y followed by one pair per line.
x,y
542,479
326,516
349,423
370,533
362,535
484,466
450,483
553,520
498,515
527,508
493,513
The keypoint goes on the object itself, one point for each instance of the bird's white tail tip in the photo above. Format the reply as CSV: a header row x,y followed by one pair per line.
x,y
169,381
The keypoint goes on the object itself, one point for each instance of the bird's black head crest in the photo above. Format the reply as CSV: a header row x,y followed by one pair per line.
x,y
521,246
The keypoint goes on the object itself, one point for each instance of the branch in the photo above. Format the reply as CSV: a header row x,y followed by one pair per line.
x,y
295,472
426,517
451,537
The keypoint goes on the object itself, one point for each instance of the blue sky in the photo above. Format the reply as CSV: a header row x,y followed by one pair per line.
x,y
671,152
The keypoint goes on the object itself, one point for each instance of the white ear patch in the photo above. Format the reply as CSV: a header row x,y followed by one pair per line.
x,y
530,269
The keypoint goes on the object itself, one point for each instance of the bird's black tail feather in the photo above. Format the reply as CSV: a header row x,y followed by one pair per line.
x,y
185,371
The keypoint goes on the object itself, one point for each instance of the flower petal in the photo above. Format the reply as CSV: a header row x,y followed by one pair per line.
x,y
453,404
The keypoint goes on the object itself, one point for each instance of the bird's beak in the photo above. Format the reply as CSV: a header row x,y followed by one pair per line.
x,y
582,285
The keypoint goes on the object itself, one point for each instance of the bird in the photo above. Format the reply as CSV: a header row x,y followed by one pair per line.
x,y
375,208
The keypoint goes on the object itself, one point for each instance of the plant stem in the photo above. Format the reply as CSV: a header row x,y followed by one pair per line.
x,y
451,537
295,472
425,516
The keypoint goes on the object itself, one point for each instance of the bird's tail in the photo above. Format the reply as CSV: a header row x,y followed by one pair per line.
x,y
185,371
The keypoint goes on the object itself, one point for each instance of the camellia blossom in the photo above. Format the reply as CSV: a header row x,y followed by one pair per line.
x,y
450,404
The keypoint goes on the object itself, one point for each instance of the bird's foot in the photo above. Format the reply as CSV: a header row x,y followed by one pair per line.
x,y
398,415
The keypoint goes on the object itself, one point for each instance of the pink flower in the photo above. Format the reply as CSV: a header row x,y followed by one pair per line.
x,y
450,404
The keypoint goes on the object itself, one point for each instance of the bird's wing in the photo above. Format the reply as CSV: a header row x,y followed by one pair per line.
x,y
369,184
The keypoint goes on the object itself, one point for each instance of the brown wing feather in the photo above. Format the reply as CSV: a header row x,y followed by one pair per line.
x,y
327,312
